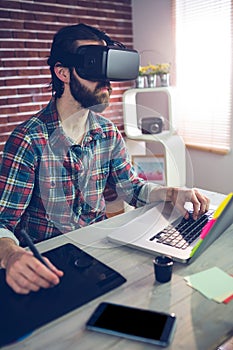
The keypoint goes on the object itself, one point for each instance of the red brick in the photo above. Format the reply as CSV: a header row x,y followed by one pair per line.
x,y
22,16
39,62
7,54
24,35
10,4
45,36
29,108
11,44
8,110
35,7
3,101
13,63
5,34
17,119
10,24
44,55
8,73
5,14
8,92
36,45
41,98
26,53
19,100
44,71
39,80
45,17
3,121
27,72
28,90
14,82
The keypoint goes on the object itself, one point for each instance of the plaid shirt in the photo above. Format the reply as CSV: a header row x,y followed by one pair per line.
x,y
50,185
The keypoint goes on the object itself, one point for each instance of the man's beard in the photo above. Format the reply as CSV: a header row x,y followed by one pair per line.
x,y
95,101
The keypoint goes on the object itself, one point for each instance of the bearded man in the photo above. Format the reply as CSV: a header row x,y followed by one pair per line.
x,y
57,164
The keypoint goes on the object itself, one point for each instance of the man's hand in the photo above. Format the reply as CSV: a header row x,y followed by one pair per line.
x,y
179,196
25,273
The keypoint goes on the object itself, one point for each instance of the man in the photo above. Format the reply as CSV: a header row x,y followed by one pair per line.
x,y
57,164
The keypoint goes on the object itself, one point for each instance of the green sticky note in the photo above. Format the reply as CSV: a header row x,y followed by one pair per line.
x,y
212,283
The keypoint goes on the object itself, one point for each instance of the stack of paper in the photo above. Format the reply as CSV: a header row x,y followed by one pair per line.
x,y
213,283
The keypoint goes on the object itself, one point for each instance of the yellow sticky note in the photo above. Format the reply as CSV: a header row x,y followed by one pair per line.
x,y
222,205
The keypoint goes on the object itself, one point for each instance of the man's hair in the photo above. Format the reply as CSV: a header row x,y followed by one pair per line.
x,y
64,43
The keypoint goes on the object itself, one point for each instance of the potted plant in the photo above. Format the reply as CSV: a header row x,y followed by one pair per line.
x,y
163,70
147,75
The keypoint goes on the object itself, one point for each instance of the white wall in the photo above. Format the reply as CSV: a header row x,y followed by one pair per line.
x,y
152,28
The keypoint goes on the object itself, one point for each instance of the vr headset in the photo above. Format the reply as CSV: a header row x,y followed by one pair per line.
x,y
98,62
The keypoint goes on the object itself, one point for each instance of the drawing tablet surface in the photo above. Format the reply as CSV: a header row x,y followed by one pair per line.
x,y
85,278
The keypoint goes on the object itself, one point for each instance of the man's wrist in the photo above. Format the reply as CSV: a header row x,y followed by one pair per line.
x,y
170,194
7,247
165,194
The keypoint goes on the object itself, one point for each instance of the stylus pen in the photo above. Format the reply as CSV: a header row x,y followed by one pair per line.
x,y
33,248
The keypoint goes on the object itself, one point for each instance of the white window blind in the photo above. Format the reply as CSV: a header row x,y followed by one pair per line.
x,y
203,38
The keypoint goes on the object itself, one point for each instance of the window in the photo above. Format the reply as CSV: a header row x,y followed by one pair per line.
x,y
203,37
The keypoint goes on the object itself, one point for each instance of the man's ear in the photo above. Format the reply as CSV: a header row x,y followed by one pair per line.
x,y
63,73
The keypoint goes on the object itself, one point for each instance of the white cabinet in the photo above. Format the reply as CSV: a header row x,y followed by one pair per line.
x,y
138,103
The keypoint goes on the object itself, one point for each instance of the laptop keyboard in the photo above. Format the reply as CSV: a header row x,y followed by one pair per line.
x,y
180,234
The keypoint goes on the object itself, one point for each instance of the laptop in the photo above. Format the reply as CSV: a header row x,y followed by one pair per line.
x,y
161,230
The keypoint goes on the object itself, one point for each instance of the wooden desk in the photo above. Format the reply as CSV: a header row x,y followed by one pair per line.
x,y
202,324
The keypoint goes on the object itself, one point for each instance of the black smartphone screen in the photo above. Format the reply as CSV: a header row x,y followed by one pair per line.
x,y
141,324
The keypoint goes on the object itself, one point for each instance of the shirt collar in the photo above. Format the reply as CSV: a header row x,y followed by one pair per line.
x,y
95,131
53,121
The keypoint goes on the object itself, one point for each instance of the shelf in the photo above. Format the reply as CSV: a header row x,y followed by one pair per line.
x,y
131,109
175,157
135,135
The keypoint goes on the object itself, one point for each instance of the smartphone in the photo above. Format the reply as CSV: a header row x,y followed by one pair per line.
x,y
133,323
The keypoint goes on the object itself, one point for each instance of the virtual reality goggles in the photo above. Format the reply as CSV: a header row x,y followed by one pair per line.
x,y
98,62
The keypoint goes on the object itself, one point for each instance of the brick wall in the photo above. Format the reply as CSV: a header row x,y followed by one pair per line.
x,y
26,31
